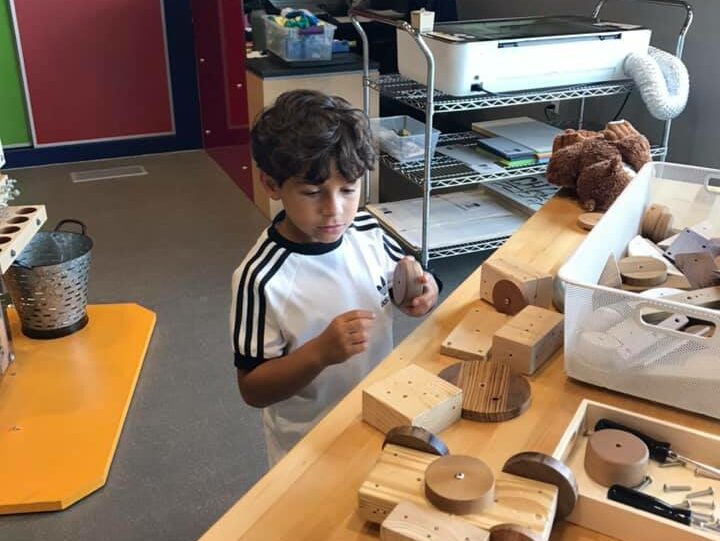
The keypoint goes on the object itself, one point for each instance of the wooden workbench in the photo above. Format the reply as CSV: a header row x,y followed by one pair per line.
x,y
311,495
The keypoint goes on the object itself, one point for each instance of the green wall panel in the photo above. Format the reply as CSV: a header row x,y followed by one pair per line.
x,y
14,129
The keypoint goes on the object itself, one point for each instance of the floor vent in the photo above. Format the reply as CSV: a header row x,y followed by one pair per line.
x,y
107,174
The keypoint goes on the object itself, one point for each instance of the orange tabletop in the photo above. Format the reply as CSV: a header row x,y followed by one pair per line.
x,y
311,495
62,407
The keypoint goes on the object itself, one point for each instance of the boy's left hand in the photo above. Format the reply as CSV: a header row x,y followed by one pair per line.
x,y
424,302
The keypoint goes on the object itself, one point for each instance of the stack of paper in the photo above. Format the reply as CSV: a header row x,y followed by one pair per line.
x,y
528,132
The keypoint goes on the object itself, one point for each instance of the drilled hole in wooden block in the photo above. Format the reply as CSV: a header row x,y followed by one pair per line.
x,y
9,229
5,240
17,220
26,210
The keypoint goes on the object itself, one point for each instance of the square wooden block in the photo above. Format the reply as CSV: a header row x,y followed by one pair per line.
x,y
472,339
537,285
412,396
529,339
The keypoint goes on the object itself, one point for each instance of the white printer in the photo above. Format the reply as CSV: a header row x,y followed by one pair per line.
x,y
506,55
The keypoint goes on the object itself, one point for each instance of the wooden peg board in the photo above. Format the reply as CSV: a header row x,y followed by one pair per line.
x,y
411,522
491,393
472,339
18,226
412,396
537,285
399,475
529,339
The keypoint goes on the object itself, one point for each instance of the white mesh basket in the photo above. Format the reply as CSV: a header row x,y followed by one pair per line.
x,y
659,364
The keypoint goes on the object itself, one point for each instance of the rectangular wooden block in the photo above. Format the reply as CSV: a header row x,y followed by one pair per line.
x,y
412,396
471,340
399,475
529,339
539,285
410,522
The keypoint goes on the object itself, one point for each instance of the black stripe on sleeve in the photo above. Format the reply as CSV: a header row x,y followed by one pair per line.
x,y
262,304
251,297
241,294
392,255
363,217
394,246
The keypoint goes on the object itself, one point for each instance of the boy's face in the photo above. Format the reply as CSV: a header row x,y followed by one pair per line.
x,y
316,213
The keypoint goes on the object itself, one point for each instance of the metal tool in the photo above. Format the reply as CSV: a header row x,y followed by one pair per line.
x,y
700,493
659,450
676,488
645,502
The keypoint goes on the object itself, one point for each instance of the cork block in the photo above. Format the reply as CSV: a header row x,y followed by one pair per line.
x,y
536,286
412,396
529,339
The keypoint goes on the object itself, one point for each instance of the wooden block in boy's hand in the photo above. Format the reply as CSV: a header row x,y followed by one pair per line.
x,y
412,396
529,339
405,281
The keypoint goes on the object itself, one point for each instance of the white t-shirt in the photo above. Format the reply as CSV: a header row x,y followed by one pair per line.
x,y
285,294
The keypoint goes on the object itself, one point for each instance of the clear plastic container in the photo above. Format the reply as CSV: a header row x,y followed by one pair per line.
x,y
299,44
403,148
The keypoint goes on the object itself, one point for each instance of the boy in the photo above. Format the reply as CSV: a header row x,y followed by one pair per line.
x,y
311,312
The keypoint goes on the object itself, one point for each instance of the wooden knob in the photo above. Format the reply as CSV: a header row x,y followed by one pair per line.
x,y
616,457
509,298
589,220
418,438
459,484
405,281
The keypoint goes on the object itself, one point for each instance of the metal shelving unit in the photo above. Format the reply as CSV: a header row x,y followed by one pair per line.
x,y
440,171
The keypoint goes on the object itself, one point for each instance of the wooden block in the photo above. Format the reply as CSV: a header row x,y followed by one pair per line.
x,y
460,484
491,392
589,220
699,269
640,246
651,219
708,297
399,475
703,228
412,396
529,339
417,438
471,340
616,457
688,242
537,285
610,276
642,271
411,522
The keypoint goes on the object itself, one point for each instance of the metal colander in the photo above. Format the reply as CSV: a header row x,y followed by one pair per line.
x,y
48,282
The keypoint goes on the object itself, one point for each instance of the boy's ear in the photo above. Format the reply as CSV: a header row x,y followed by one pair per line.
x,y
271,187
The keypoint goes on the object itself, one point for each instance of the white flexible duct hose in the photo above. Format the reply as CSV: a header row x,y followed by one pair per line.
x,y
662,79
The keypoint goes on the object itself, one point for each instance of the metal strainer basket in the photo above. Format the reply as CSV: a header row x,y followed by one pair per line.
x,y
48,282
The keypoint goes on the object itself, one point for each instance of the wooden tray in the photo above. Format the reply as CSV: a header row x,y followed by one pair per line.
x,y
596,512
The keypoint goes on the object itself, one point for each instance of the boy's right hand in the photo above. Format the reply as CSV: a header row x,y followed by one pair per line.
x,y
347,335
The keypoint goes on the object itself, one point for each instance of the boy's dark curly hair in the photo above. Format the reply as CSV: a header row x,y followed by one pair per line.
x,y
306,132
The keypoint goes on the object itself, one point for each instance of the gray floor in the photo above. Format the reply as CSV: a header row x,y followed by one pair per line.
x,y
169,241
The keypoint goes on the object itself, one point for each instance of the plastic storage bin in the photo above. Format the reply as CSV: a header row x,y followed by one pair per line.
x,y
662,365
299,44
403,148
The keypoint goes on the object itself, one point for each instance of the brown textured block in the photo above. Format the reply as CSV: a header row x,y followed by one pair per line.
x,y
472,339
529,339
537,285
412,396
491,392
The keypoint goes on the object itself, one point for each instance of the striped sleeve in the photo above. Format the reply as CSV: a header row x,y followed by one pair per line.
x,y
256,336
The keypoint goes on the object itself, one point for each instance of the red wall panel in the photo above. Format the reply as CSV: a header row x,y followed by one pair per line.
x,y
95,69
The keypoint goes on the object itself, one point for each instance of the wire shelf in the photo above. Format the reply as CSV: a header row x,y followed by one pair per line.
x,y
448,172
414,94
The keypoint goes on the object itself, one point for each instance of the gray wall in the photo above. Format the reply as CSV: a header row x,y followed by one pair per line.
x,y
695,135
